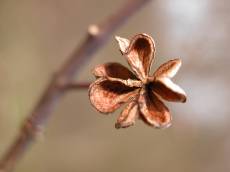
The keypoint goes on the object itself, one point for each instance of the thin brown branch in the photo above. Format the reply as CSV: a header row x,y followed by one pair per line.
x,y
96,37
77,86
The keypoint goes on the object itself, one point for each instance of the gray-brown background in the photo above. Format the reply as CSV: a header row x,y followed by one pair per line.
x,y
37,35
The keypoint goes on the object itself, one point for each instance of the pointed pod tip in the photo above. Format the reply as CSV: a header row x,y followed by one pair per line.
x,y
117,125
117,37
178,60
120,39
184,100
123,43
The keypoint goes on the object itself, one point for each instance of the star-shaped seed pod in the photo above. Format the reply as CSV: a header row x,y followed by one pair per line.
x,y
143,93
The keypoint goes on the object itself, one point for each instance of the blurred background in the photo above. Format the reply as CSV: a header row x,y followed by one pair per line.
x,y
36,37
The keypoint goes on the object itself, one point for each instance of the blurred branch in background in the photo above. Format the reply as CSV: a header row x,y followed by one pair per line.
x,y
75,86
96,37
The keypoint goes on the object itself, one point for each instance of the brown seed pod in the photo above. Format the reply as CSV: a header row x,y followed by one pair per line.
x,y
116,85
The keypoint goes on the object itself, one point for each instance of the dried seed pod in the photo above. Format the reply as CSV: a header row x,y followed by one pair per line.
x,y
117,85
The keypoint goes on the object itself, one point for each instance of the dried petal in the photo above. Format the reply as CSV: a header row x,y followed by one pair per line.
x,y
128,115
106,96
114,70
140,54
154,111
169,91
168,69
117,72
123,43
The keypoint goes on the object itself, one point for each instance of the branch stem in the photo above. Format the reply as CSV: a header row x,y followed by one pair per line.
x,y
95,39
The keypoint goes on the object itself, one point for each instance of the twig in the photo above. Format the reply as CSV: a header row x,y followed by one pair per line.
x,y
96,37
76,86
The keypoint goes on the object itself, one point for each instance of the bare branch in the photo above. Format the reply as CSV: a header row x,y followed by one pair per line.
x,y
77,86
96,37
